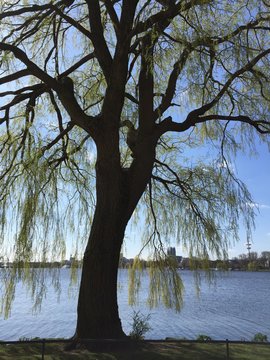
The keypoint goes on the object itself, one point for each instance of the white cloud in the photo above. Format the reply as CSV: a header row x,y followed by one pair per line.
x,y
263,206
258,206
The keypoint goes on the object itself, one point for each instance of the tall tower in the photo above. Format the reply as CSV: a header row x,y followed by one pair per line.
x,y
248,245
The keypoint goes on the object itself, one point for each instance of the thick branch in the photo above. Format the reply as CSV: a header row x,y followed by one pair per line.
x,y
74,67
32,67
127,17
59,137
195,116
203,109
204,41
33,8
115,92
171,87
131,98
261,126
101,49
15,76
172,11
65,93
113,15
146,86
38,90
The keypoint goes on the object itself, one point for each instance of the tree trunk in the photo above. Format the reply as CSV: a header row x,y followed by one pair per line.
x,y
118,192
98,316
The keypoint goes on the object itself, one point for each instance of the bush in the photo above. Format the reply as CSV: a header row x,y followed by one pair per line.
x,y
140,325
202,337
259,337
24,338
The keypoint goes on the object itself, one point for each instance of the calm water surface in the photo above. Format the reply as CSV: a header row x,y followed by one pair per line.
x,y
236,307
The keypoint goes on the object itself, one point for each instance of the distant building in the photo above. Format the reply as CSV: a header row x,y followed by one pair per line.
x,y
171,251
70,262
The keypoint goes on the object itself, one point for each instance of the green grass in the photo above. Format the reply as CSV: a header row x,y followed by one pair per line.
x,y
147,351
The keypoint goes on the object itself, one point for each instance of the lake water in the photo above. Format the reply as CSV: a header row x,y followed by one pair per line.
x,y
236,307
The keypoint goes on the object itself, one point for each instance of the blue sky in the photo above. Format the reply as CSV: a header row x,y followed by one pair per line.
x,y
254,171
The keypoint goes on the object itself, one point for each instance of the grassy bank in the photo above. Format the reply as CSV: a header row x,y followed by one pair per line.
x,y
147,351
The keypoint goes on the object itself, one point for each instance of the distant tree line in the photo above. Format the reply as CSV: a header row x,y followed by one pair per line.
x,y
244,262
252,261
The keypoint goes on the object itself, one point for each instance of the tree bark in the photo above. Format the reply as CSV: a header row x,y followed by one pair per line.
x,y
118,191
98,316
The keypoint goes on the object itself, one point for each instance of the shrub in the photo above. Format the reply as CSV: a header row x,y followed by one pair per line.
x,y
140,325
202,337
24,338
259,337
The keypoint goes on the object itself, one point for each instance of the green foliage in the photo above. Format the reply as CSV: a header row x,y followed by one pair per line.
x,y
24,338
208,75
165,284
203,337
140,325
259,337
252,266
207,204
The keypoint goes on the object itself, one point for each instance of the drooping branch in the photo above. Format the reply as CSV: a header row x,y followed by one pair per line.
x,y
206,107
196,116
33,8
200,192
66,156
58,111
181,189
166,15
207,42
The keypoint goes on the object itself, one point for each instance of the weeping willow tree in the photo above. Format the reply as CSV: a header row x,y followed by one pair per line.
x,y
104,107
